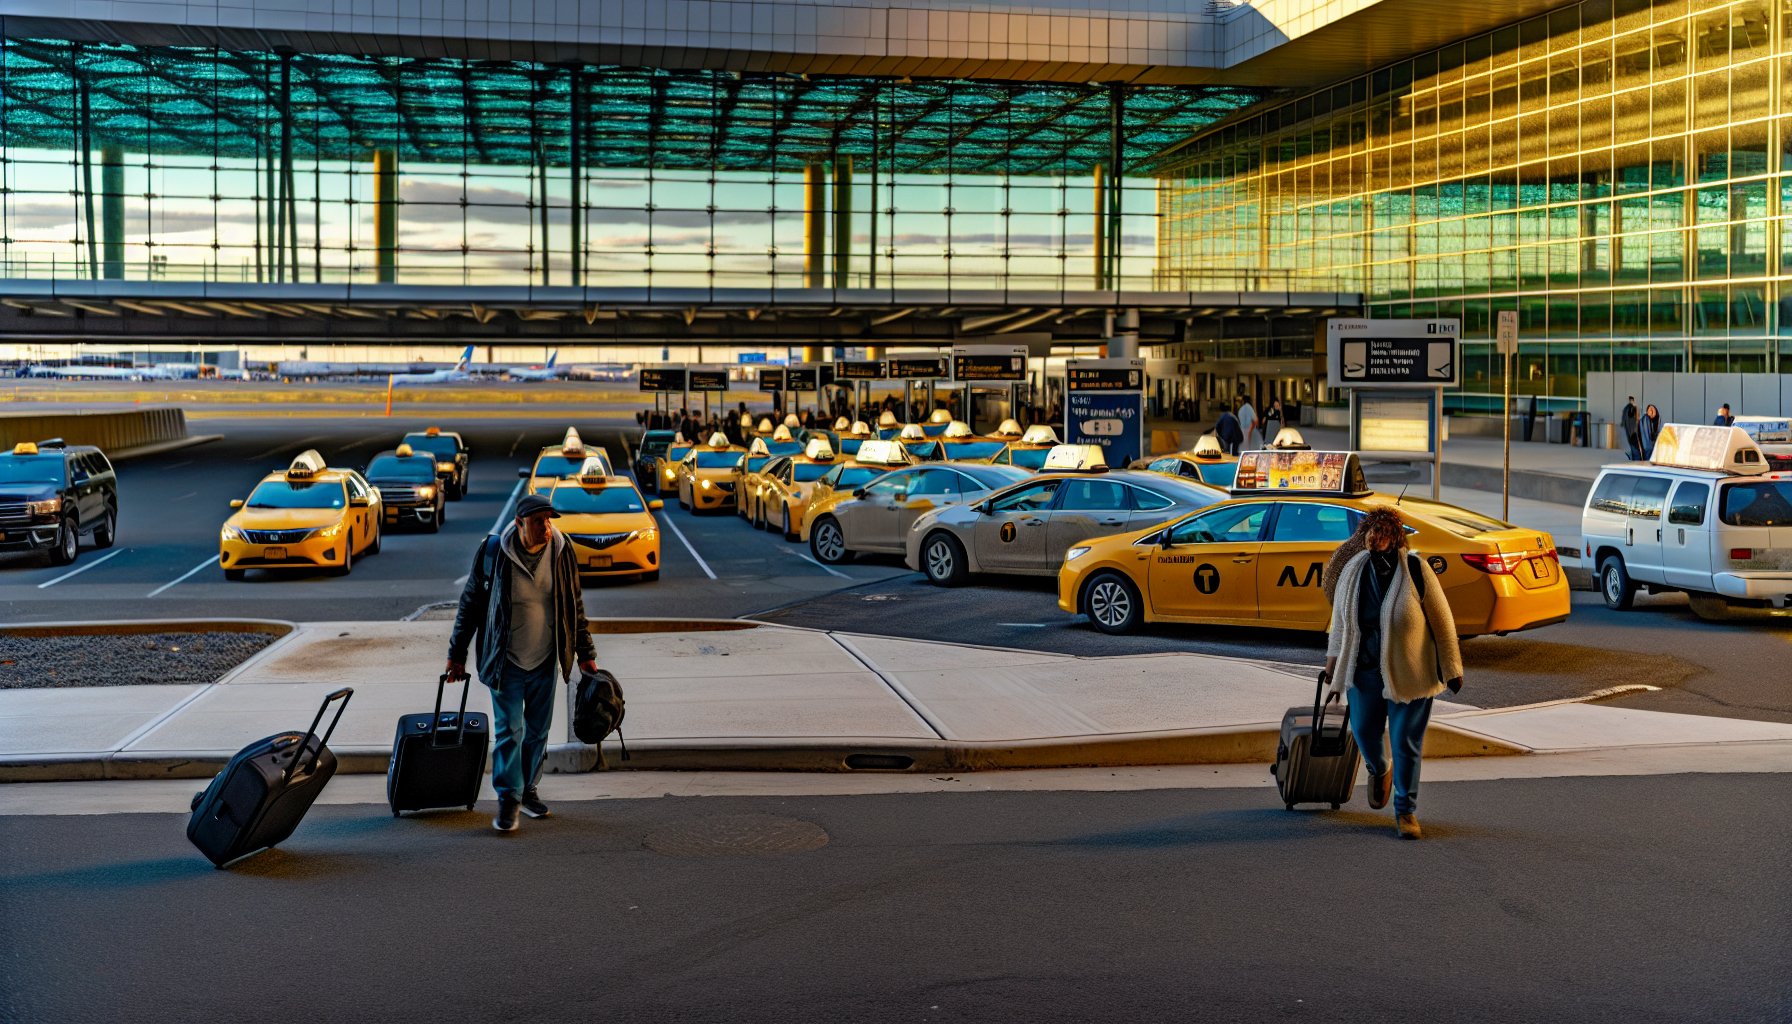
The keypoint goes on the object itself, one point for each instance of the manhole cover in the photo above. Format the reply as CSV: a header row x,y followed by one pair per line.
x,y
736,834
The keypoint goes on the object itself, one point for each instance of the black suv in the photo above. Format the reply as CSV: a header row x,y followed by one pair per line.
x,y
51,493
451,455
409,488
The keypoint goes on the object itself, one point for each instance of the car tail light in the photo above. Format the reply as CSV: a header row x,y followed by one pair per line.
x,y
1553,555
1742,554
1500,562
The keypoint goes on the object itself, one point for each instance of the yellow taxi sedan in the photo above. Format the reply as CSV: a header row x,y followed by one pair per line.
x,y
787,485
1257,559
609,523
705,476
1206,463
306,516
559,461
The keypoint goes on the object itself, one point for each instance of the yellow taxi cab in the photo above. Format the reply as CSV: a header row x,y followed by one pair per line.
x,y
787,485
704,478
1206,462
746,476
659,471
856,433
958,444
1257,559
307,515
1030,451
937,423
609,523
874,459
557,462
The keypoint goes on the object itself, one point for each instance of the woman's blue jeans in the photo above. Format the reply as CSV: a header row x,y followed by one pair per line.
x,y
1372,715
522,712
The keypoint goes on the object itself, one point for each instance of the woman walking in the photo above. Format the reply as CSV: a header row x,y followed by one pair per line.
x,y
1648,429
1393,648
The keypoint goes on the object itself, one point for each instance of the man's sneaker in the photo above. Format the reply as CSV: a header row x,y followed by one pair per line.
x,y
506,819
1408,826
1380,787
532,805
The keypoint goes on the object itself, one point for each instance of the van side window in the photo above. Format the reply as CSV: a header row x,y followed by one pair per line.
x,y
1688,506
1614,494
1758,503
1650,494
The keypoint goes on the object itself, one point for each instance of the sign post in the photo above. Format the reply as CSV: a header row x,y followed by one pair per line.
x,y
988,364
1382,363
860,373
707,380
909,369
1508,347
665,379
1104,404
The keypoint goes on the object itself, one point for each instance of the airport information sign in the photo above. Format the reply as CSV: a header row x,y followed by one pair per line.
x,y
1393,353
800,378
857,369
662,378
1127,378
989,363
771,380
1112,417
917,367
708,378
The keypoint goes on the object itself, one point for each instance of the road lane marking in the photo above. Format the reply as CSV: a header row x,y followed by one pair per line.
x,y
210,561
504,513
271,452
357,444
84,568
818,565
184,497
1023,625
676,532
513,444
461,581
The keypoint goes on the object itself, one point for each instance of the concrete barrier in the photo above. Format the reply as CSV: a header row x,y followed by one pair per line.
x,y
109,431
1552,487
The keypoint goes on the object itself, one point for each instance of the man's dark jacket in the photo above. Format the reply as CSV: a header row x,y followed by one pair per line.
x,y
1229,432
485,609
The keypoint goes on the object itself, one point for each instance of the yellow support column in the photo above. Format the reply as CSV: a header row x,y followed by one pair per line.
x,y
843,222
815,226
1101,228
385,213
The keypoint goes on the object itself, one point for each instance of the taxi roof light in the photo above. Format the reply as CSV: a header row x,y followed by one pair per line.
x,y
842,423
404,451
913,432
1076,458
792,422
24,448
819,449
572,443
746,421
1208,447
958,428
860,427
1289,439
886,419
781,434
1040,433
882,453
1697,446
308,464
432,432
765,425
759,447
1009,428
1299,472
718,440
940,416
592,470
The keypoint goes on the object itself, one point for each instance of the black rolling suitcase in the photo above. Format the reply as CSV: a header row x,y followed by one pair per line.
x,y
265,790
438,760
1317,758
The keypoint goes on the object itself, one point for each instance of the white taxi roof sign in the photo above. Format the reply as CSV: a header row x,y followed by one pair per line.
x,y
765,425
1301,472
1289,439
718,440
308,463
1075,458
781,434
913,432
1039,433
792,422
25,448
958,428
886,419
593,470
1009,428
758,447
940,416
404,451
882,453
860,427
1208,447
819,449
572,443
842,424
1696,446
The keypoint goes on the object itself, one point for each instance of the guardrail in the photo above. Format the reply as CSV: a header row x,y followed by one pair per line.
x,y
109,431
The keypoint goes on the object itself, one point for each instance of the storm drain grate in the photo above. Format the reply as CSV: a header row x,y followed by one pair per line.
x,y
736,835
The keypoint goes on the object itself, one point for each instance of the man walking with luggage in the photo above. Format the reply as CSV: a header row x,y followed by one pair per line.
x,y
524,603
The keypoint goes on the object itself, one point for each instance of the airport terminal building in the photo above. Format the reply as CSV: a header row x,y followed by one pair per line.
x,y
1200,179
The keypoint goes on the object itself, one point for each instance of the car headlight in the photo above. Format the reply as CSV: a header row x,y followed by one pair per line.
x,y
670,472
232,533
45,508
325,531
648,534
1077,552
706,485
444,467
427,491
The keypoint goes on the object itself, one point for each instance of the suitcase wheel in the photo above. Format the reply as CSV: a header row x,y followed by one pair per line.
x,y
470,806
1289,806
395,814
1334,805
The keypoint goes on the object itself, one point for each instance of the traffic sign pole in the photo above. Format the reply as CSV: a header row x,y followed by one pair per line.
x,y
1508,345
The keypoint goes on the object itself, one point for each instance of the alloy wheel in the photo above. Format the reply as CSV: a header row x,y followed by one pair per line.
x,y
939,559
829,543
1110,604
1614,588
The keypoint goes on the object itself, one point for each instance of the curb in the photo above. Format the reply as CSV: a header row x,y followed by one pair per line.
x,y
1526,483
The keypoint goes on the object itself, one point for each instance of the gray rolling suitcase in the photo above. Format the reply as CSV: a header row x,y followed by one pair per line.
x,y
263,793
438,759
1317,758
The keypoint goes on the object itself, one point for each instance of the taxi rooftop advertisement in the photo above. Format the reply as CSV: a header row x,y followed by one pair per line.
x,y
1297,471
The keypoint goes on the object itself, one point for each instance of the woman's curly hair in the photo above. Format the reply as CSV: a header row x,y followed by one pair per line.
x,y
1380,522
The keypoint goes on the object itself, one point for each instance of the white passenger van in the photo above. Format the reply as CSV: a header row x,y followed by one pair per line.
x,y
1711,515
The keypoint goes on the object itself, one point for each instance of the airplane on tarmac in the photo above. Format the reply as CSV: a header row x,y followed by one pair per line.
x,y
87,371
548,372
457,373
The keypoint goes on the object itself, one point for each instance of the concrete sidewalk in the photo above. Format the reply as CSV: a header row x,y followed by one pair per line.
x,y
731,695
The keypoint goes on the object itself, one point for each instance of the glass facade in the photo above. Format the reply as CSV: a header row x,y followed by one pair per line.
x,y
172,163
1618,172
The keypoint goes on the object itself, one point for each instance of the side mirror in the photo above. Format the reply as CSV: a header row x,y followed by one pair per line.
x,y
860,493
236,503
523,472
656,504
358,502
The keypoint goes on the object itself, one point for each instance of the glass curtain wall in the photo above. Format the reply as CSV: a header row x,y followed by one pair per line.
x,y
207,164
1618,172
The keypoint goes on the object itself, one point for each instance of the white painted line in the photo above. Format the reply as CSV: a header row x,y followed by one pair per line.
x,y
818,565
184,497
504,513
513,444
1023,625
210,561
84,568
676,532
462,580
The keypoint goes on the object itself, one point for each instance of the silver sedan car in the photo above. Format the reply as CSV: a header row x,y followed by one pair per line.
x,y
878,516
1026,528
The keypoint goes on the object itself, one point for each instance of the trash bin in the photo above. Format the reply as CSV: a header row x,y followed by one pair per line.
x,y
1580,429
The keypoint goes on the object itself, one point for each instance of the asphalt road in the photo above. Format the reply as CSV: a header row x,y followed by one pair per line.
x,y
170,508
1634,899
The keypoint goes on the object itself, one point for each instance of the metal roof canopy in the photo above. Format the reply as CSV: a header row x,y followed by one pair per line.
x,y
210,101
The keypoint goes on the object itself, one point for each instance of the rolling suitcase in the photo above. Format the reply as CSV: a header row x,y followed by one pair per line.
x,y
1317,758
438,760
263,793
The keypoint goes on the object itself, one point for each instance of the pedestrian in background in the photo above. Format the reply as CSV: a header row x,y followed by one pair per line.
x,y
1648,429
1228,431
1273,421
524,614
1627,422
1392,649
1724,419
1247,419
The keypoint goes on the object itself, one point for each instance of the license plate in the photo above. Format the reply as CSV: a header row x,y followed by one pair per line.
x,y
1538,569
600,561
274,553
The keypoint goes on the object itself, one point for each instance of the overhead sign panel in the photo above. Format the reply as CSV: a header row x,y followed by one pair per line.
x,y
917,367
662,378
1090,378
978,363
771,380
708,378
859,369
1393,353
800,378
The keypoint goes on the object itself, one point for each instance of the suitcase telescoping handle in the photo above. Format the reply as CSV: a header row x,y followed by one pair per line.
x,y
435,721
1320,706
345,693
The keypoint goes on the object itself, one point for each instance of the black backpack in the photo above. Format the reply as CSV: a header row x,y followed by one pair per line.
x,y
597,711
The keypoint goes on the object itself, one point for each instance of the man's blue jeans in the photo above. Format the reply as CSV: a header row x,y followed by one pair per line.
x,y
1372,714
522,711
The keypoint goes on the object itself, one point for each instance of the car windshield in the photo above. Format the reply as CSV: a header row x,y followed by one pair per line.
x,y
558,465
856,476
1030,458
589,500
655,442
1219,474
785,447
991,477
677,452
1761,503
808,473
850,445
391,467
974,449
31,469
296,494
756,461
438,445
717,460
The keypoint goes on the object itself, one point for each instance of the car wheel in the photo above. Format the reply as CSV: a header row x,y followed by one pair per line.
x,y
681,502
1112,603
942,558
68,544
828,542
348,557
435,521
1615,584
651,577
789,532
378,535
106,533
459,490
759,517
234,574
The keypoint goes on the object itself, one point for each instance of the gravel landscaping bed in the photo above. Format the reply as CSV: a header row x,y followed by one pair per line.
x,y
38,662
